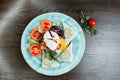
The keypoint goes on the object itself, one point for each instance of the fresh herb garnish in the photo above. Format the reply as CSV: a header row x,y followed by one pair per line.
x,y
51,55
88,24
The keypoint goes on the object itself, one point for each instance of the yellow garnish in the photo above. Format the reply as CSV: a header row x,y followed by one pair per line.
x,y
63,44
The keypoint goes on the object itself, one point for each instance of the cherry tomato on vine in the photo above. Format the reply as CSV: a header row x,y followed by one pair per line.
x,y
92,23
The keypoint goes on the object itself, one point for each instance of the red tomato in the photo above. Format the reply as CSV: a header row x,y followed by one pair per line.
x,y
46,25
36,35
92,22
35,50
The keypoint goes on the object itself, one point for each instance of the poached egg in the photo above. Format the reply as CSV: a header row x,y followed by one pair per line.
x,y
50,39
53,41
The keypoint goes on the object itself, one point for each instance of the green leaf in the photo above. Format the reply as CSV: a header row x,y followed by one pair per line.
x,y
82,21
51,55
87,17
81,16
91,31
32,41
88,29
94,31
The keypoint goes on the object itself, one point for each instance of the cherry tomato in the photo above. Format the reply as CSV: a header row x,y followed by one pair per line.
x,y
36,35
92,22
35,50
46,25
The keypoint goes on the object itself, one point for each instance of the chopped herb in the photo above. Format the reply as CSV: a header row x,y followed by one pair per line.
x,y
51,54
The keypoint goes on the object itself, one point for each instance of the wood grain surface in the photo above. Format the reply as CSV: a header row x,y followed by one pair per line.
x,y
101,60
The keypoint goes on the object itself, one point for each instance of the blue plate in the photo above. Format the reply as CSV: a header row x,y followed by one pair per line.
x,y
78,43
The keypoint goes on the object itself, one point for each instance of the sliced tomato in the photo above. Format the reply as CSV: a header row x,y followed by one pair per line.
x,y
35,50
36,35
46,25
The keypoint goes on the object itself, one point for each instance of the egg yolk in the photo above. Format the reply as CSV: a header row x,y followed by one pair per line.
x,y
63,44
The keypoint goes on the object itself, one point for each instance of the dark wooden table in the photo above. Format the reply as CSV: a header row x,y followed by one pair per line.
x,y
101,60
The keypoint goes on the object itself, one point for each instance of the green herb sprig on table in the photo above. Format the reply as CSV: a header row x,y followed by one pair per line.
x,y
88,24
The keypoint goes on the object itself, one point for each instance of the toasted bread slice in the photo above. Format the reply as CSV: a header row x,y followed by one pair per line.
x,y
69,33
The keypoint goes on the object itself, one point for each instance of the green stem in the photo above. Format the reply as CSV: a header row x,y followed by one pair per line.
x,y
82,14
